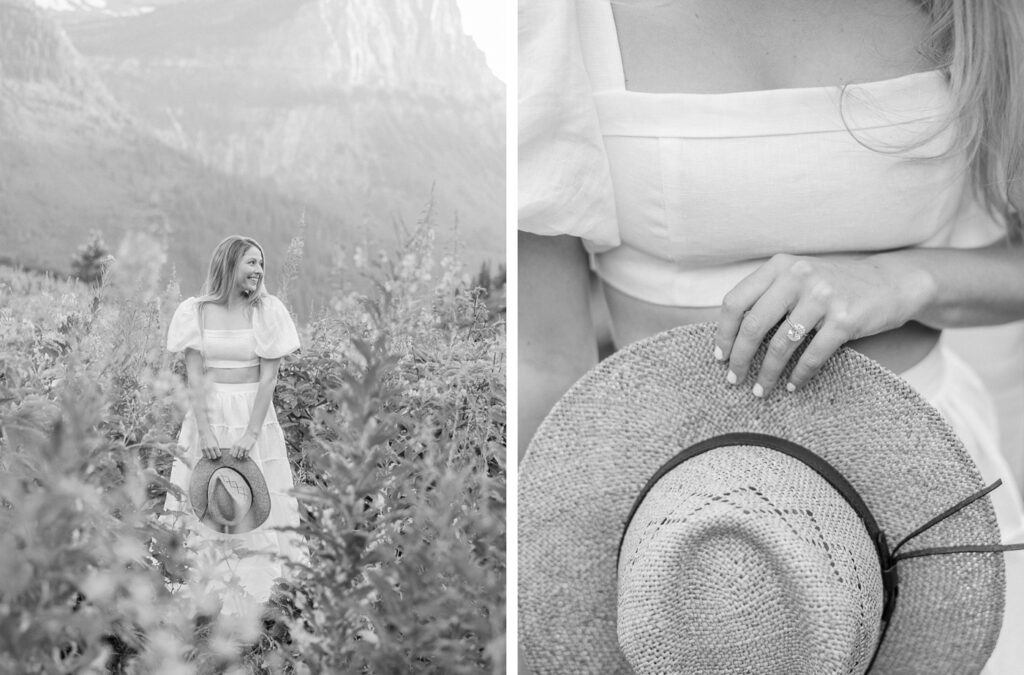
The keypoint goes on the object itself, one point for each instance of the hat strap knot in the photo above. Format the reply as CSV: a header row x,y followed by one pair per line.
x,y
943,550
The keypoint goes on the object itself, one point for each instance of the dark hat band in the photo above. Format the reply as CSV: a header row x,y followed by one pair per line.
x,y
887,558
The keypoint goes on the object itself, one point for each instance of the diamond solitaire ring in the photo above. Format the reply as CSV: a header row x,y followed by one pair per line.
x,y
796,331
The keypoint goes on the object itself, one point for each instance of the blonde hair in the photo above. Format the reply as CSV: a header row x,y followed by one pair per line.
x,y
220,278
981,44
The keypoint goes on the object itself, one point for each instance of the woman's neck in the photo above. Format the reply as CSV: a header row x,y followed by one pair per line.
x,y
237,303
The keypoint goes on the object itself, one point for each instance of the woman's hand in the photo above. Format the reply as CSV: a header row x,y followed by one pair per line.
x,y
209,445
844,300
243,446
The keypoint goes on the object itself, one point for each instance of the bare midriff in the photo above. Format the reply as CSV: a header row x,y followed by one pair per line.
x,y
234,375
633,319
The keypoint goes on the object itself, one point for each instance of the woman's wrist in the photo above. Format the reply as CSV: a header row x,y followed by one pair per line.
x,y
913,280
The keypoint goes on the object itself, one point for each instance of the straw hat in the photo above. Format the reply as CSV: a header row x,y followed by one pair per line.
x,y
229,495
654,539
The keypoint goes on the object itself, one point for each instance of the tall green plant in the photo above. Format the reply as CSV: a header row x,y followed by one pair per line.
x,y
394,414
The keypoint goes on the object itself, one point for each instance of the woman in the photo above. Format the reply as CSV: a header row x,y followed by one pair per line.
x,y
234,336
853,168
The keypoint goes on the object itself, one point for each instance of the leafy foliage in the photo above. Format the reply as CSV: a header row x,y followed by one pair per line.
x,y
394,415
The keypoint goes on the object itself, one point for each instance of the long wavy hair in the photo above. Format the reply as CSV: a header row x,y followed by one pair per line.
x,y
981,44
220,279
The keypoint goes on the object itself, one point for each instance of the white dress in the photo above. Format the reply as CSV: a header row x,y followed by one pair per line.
x,y
238,569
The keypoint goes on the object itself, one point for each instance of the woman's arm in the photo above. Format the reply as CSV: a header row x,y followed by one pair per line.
x,y
969,287
197,396
264,397
556,332
846,300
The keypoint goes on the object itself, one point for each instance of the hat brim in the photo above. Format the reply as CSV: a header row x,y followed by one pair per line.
x,y
200,479
616,426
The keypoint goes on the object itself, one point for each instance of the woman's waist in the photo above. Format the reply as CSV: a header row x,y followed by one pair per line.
x,y
231,376
696,280
633,319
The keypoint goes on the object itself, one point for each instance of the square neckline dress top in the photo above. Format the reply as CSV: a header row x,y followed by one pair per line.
x,y
220,556
708,186
677,197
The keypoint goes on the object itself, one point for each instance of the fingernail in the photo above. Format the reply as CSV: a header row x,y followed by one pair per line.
x,y
790,387
758,390
719,356
731,377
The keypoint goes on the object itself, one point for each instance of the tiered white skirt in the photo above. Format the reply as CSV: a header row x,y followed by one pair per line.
x,y
950,385
239,569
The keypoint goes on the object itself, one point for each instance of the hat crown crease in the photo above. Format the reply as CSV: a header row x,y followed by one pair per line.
x,y
783,574
229,497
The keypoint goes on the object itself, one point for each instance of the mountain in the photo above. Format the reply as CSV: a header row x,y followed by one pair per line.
x,y
111,7
364,109
72,160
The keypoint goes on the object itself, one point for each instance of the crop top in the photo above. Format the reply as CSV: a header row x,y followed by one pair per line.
x,y
679,196
272,336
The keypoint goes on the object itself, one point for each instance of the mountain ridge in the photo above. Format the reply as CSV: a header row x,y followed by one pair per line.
x,y
72,161
406,108
116,142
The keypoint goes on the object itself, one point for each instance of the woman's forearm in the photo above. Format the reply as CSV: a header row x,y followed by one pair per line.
x,y
556,332
264,395
196,390
953,288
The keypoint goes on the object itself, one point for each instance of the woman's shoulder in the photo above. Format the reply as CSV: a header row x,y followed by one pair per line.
x,y
183,333
272,304
270,311
186,307
274,328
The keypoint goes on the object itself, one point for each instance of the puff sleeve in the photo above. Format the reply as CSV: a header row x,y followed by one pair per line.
x,y
184,331
564,179
274,329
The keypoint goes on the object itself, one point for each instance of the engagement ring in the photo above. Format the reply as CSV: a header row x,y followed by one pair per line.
x,y
796,331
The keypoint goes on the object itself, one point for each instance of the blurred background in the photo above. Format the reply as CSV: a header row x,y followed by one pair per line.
x,y
338,121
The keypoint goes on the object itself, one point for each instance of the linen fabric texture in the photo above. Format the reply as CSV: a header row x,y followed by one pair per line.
x,y
679,196
239,568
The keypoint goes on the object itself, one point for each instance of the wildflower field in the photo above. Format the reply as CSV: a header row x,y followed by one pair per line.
x,y
394,415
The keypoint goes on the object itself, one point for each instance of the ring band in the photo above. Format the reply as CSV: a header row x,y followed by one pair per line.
x,y
796,331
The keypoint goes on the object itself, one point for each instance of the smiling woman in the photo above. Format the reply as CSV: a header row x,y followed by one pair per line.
x,y
236,473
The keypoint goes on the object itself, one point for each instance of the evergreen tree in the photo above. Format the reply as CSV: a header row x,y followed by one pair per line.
x,y
91,260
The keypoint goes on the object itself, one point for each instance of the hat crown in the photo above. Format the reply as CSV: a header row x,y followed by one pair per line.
x,y
229,497
745,555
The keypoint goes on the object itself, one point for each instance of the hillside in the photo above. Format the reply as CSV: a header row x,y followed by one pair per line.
x,y
74,159
364,109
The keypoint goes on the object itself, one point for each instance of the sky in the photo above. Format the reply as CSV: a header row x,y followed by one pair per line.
x,y
490,23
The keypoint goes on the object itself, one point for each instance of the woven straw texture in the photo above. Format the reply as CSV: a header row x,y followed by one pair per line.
x,y
772,557
634,411
248,474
